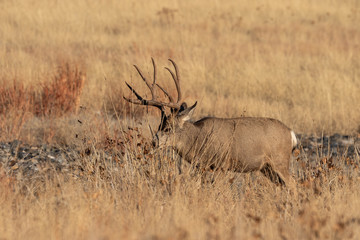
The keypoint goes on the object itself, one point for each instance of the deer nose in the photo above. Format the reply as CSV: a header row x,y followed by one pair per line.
x,y
155,141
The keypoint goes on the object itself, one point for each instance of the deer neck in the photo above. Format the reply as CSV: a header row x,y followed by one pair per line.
x,y
186,139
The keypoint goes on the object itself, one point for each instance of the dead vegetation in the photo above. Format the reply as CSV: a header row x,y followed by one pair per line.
x,y
56,97
141,195
297,62
15,104
61,95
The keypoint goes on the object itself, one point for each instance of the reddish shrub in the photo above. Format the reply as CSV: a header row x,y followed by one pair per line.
x,y
62,94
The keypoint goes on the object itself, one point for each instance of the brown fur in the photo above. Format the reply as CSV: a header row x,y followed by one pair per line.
x,y
237,144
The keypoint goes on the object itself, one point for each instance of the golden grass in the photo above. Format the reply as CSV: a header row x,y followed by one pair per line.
x,y
137,199
295,61
62,95
15,103
58,96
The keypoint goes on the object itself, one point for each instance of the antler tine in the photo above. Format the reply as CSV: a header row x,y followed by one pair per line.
x,y
153,102
176,78
150,86
154,81
166,93
141,101
141,75
153,62
161,88
133,90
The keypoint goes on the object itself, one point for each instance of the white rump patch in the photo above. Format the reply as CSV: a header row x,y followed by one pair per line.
x,y
293,139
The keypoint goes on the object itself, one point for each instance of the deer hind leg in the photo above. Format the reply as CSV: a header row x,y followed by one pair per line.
x,y
280,177
285,179
273,175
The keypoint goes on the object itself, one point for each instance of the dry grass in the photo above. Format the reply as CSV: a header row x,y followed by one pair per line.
x,y
297,62
142,196
62,95
15,103
58,97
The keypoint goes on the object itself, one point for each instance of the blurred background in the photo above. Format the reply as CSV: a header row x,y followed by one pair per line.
x,y
295,61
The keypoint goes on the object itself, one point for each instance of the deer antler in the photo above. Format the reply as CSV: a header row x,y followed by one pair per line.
x,y
153,101
176,79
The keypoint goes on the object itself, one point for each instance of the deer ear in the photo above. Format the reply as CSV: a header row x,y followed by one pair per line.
x,y
186,114
181,109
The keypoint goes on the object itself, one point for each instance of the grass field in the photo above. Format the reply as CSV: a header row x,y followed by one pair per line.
x,y
63,66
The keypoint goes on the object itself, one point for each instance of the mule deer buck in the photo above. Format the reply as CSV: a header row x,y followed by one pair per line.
x,y
239,144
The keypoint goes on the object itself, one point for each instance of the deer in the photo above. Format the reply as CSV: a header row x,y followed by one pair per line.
x,y
242,144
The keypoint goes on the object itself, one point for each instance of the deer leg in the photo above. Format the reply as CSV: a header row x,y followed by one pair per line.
x,y
270,173
288,180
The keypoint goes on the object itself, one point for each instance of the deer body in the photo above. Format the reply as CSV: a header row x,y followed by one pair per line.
x,y
237,144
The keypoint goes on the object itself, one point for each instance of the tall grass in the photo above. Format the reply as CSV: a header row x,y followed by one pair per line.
x,y
15,103
141,195
62,94
58,97
293,61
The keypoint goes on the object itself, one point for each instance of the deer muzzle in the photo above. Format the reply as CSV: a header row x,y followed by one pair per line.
x,y
155,141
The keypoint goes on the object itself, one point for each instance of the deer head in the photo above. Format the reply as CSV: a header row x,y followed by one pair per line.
x,y
179,112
